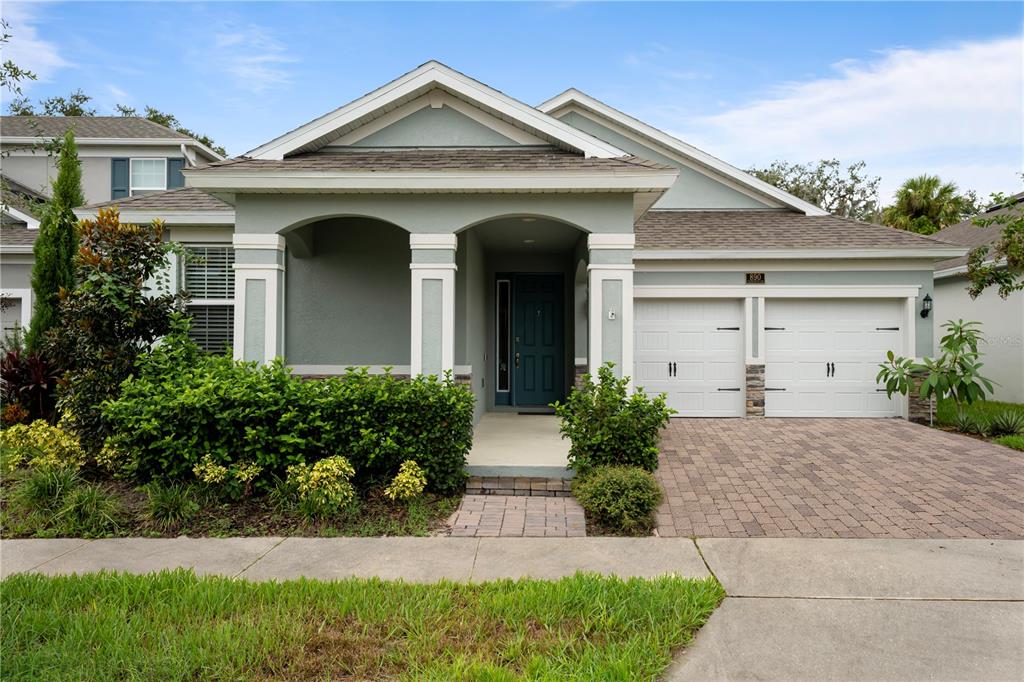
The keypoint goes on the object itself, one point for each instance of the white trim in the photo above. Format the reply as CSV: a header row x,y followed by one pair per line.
x,y
433,271
342,182
415,83
596,316
780,291
935,252
910,337
609,266
748,330
677,146
258,266
579,361
30,221
434,240
611,241
269,275
131,173
341,369
244,240
25,296
128,215
435,99
809,265
16,248
120,142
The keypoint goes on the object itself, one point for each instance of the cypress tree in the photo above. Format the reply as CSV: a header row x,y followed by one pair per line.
x,y
56,245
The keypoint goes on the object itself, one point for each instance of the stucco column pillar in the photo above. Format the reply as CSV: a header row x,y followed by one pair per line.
x,y
611,301
433,303
753,310
259,296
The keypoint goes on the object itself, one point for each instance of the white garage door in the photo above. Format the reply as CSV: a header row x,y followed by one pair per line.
x,y
691,350
822,356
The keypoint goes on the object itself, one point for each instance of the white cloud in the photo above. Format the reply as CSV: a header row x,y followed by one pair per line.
x,y
26,48
249,55
905,113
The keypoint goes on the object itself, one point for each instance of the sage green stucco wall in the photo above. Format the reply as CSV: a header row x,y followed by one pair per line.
x,y
611,330
471,287
15,275
691,190
255,320
350,302
275,213
432,327
922,278
429,127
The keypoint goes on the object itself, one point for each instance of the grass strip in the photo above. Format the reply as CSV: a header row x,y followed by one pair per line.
x,y
174,625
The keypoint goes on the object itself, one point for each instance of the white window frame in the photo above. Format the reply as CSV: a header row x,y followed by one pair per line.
x,y
208,302
25,295
131,175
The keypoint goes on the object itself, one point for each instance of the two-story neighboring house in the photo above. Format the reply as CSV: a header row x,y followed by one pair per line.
x,y
121,157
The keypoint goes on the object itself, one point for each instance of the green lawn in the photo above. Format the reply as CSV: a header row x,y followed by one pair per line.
x,y
175,626
945,413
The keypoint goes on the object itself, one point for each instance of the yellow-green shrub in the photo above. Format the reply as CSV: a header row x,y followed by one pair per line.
x,y
408,483
40,445
325,487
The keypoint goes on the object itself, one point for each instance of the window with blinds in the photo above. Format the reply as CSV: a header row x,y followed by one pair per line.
x,y
209,279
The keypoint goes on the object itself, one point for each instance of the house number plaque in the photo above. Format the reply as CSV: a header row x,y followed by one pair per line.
x,y
755,278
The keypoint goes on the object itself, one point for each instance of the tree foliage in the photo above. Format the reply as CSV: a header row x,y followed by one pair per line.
x,y
111,316
925,204
1000,264
171,121
55,247
11,75
75,104
846,192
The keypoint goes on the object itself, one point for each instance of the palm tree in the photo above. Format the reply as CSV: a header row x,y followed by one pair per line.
x,y
925,205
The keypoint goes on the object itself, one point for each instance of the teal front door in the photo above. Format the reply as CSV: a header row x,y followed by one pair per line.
x,y
538,333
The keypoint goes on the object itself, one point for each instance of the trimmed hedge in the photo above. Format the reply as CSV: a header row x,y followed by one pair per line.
x,y
623,499
182,405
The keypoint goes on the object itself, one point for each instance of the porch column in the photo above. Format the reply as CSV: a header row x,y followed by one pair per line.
x,y
433,303
259,296
611,301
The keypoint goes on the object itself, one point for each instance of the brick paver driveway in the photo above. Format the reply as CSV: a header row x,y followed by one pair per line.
x,y
844,478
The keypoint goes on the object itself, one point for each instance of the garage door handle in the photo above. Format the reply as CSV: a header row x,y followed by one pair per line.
x,y
730,389
775,329
728,329
774,389
887,329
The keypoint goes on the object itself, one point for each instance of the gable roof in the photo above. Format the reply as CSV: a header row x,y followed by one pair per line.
x,y
757,234
573,97
419,81
180,206
968,234
86,127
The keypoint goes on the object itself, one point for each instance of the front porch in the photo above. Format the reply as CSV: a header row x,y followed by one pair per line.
x,y
519,445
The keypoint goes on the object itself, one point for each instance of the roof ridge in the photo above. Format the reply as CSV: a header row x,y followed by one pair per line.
x,y
925,237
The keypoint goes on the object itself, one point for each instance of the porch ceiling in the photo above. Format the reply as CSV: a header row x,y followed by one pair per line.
x,y
512,234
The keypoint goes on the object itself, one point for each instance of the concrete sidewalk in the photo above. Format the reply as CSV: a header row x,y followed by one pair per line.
x,y
798,609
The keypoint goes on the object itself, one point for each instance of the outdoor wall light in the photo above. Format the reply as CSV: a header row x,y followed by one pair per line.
x,y
926,305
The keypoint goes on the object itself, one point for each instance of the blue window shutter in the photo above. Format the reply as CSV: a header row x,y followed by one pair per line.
x,y
118,178
174,176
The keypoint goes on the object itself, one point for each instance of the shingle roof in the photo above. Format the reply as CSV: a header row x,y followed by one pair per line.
x,y
512,159
970,235
754,230
86,127
16,234
181,199
15,187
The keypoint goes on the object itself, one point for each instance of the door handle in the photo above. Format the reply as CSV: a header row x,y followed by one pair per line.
x,y
517,359
833,366
670,369
675,370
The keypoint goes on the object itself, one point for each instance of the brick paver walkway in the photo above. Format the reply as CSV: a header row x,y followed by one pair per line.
x,y
516,516
846,478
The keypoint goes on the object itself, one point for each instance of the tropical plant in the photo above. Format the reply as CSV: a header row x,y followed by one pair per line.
x,y
1000,264
925,204
40,445
954,374
409,482
28,381
965,422
623,499
324,488
1006,423
111,317
849,193
608,426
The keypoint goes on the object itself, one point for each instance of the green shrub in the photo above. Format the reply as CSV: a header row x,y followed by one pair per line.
x,y
623,499
169,506
607,426
1015,442
183,405
966,422
1006,423
89,510
40,445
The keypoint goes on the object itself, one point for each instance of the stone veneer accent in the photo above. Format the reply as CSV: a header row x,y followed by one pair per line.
x,y
578,372
919,409
755,390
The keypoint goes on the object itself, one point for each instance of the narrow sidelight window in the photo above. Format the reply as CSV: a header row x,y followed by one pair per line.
x,y
503,331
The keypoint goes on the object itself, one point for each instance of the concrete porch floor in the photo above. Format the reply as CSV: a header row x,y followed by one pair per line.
x,y
510,444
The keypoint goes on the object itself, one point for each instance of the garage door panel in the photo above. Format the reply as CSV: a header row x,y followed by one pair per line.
x,y
725,340
652,341
651,371
688,341
850,334
690,371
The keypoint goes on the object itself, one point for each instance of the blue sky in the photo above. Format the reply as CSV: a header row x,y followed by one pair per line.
x,y
908,87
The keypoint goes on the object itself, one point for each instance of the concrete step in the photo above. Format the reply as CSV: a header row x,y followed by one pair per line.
x,y
519,486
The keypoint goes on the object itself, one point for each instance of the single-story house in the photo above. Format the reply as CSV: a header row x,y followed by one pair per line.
x,y
437,224
1002,319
